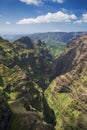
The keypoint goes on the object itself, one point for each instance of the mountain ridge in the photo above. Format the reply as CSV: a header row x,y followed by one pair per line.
x,y
46,36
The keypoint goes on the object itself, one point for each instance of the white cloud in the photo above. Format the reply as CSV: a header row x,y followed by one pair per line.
x,y
58,1
7,22
83,19
30,2
78,21
49,17
38,2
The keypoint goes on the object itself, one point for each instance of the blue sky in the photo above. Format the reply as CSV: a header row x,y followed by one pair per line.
x,y
31,16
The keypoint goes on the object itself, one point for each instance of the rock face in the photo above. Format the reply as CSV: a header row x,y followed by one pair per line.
x,y
67,94
74,54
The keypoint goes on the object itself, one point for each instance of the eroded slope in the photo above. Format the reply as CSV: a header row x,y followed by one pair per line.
x,y
67,94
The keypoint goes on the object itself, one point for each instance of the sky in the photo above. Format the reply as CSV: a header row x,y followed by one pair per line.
x,y
33,16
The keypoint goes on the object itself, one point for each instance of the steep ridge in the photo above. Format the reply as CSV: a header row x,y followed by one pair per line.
x,y
74,54
67,94
32,57
24,101
25,40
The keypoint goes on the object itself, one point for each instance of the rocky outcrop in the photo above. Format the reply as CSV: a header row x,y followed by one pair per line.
x,y
25,40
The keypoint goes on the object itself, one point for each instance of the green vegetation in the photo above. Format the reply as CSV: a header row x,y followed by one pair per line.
x,y
32,95
64,109
23,64
67,93
55,48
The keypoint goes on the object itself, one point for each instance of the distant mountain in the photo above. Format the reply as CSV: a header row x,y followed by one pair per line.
x,y
58,37
48,36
